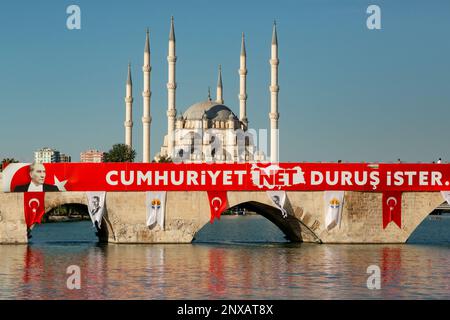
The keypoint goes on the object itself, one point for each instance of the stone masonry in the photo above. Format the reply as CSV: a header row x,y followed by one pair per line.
x,y
188,212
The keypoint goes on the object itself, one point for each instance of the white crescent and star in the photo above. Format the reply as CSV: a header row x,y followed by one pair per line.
x,y
31,202
391,198
214,200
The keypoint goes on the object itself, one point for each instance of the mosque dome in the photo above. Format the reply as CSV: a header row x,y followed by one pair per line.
x,y
212,110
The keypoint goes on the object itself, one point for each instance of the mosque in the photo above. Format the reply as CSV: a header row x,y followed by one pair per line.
x,y
208,131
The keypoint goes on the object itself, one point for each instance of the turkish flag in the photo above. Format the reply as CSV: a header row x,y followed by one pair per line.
x,y
34,207
217,203
392,208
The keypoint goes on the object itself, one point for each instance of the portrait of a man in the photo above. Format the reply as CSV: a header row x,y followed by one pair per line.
x,y
95,205
95,210
37,183
276,200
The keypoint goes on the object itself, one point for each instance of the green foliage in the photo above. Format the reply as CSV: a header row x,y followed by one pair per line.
x,y
120,153
164,159
7,161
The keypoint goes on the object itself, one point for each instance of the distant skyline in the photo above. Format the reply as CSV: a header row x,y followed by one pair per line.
x,y
346,92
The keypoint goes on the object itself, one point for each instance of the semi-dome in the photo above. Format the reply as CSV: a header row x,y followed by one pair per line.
x,y
212,109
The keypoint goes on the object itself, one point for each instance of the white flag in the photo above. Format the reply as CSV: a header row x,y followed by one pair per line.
x,y
334,202
278,198
446,196
96,206
156,207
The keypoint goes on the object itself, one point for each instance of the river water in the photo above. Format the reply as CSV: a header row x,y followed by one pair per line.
x,y
237,258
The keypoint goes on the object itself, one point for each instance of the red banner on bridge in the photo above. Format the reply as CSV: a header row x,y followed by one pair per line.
x,y
22,177
217,204
34,207
392,208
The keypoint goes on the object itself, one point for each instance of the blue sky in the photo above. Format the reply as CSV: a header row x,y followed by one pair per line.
x,y
346,92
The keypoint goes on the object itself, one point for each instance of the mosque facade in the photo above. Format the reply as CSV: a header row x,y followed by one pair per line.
x,y
208,131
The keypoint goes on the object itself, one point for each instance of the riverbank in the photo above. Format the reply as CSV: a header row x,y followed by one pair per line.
x,y
75,218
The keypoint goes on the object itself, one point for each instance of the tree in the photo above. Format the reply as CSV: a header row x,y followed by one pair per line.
x,y
7,161
120,153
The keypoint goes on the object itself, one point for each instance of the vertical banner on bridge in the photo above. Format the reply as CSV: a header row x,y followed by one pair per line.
x,y
446,196
34,207
96,207
156,208
278,198
334,203
392,208
217,203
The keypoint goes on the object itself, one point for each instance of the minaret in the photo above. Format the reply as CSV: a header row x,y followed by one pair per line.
x,y
243,85
219,94
129,110
171,91
146,93
274,88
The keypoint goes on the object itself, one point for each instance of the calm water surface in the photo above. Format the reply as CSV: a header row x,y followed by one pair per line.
x,y
236,258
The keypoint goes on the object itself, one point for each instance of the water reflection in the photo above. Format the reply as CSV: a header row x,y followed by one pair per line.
x,y
44,271
217,272
221,271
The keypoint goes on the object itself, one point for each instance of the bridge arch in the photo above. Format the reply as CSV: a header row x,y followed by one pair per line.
x,y
290,226
293,229
437,205
77,206
54,200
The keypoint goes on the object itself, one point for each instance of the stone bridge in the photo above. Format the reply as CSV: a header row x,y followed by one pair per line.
x,y
187,212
